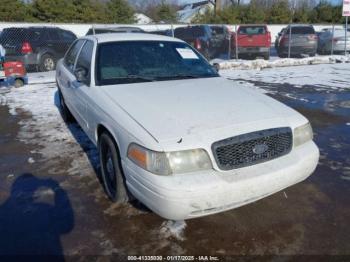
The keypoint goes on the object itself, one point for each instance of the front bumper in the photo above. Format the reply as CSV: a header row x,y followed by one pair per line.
x,y
198,194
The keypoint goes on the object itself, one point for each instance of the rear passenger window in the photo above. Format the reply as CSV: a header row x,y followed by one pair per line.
x,y
35,35
53,35
71,55
84,59
68,36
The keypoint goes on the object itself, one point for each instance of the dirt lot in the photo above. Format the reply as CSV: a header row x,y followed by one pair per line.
x,y
51,200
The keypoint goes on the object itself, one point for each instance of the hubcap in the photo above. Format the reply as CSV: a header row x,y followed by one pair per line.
x,y
49,63
110,173
109,165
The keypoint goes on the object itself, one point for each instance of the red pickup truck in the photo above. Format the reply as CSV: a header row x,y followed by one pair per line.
x,y
252,41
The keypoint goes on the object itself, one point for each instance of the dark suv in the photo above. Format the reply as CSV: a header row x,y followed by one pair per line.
x,y
206,39
120,29
37,47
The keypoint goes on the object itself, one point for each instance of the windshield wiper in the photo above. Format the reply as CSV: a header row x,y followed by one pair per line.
x,y
135,77
178,76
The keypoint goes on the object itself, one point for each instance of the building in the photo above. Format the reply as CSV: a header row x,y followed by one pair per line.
x,y
190,10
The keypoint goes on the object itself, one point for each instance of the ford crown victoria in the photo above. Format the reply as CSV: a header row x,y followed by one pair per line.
x,y
174,134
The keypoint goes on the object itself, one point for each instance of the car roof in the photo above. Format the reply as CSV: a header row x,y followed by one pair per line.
x,y
116,37
246,25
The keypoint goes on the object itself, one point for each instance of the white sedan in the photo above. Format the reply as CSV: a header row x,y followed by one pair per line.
x,y
174,134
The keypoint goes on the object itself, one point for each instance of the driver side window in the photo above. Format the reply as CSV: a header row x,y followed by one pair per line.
x,y
71,55
84,61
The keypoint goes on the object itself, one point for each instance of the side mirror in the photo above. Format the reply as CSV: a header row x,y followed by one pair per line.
x,y
81,74
216,66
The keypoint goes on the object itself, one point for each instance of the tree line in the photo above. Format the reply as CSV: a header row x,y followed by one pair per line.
x,y
70,11
274,12
121,11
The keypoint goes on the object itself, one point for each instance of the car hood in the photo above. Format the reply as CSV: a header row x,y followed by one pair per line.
x,y
172,110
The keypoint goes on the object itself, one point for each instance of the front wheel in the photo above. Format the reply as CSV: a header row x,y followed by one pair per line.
x,y
111,169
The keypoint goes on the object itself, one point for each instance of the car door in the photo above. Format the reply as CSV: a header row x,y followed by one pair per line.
x,y
81,88
66,78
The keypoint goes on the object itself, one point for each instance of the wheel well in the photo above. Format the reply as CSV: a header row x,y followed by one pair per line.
x,y
101,129
49,53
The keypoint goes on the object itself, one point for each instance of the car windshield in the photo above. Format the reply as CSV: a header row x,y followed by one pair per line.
x,y
145,61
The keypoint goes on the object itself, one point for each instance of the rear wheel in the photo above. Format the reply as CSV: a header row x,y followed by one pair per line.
x,y
112,173
267,56
18,83
47,63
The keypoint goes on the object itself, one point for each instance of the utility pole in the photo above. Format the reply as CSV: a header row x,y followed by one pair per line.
x,y
217,6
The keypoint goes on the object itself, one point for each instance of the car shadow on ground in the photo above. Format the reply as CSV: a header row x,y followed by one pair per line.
x,y
92,154
33,218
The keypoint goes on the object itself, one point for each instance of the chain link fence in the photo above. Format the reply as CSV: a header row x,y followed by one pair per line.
x,y
40,46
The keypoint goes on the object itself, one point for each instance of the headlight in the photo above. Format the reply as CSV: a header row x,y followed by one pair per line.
x,y
302,134
167,163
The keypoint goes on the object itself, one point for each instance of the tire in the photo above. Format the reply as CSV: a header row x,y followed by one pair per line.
x,y
47,63
18,83
111,169
206,54
266,56
66,114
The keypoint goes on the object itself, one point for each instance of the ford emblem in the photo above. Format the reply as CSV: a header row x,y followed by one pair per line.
x,y
260,149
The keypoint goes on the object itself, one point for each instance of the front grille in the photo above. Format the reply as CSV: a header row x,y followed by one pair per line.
x,y
252,148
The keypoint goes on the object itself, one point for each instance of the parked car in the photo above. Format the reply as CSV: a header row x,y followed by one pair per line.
x,y
221,36
36,47
202,38
326,39
13,74
166,32
120,29
252,41
303,41
174,134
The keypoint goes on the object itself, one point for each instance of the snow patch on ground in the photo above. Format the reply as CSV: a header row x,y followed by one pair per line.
x,y
173,229
46,128
259,64
322,77
41,77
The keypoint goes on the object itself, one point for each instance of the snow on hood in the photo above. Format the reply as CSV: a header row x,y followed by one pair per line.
x,y
171,110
